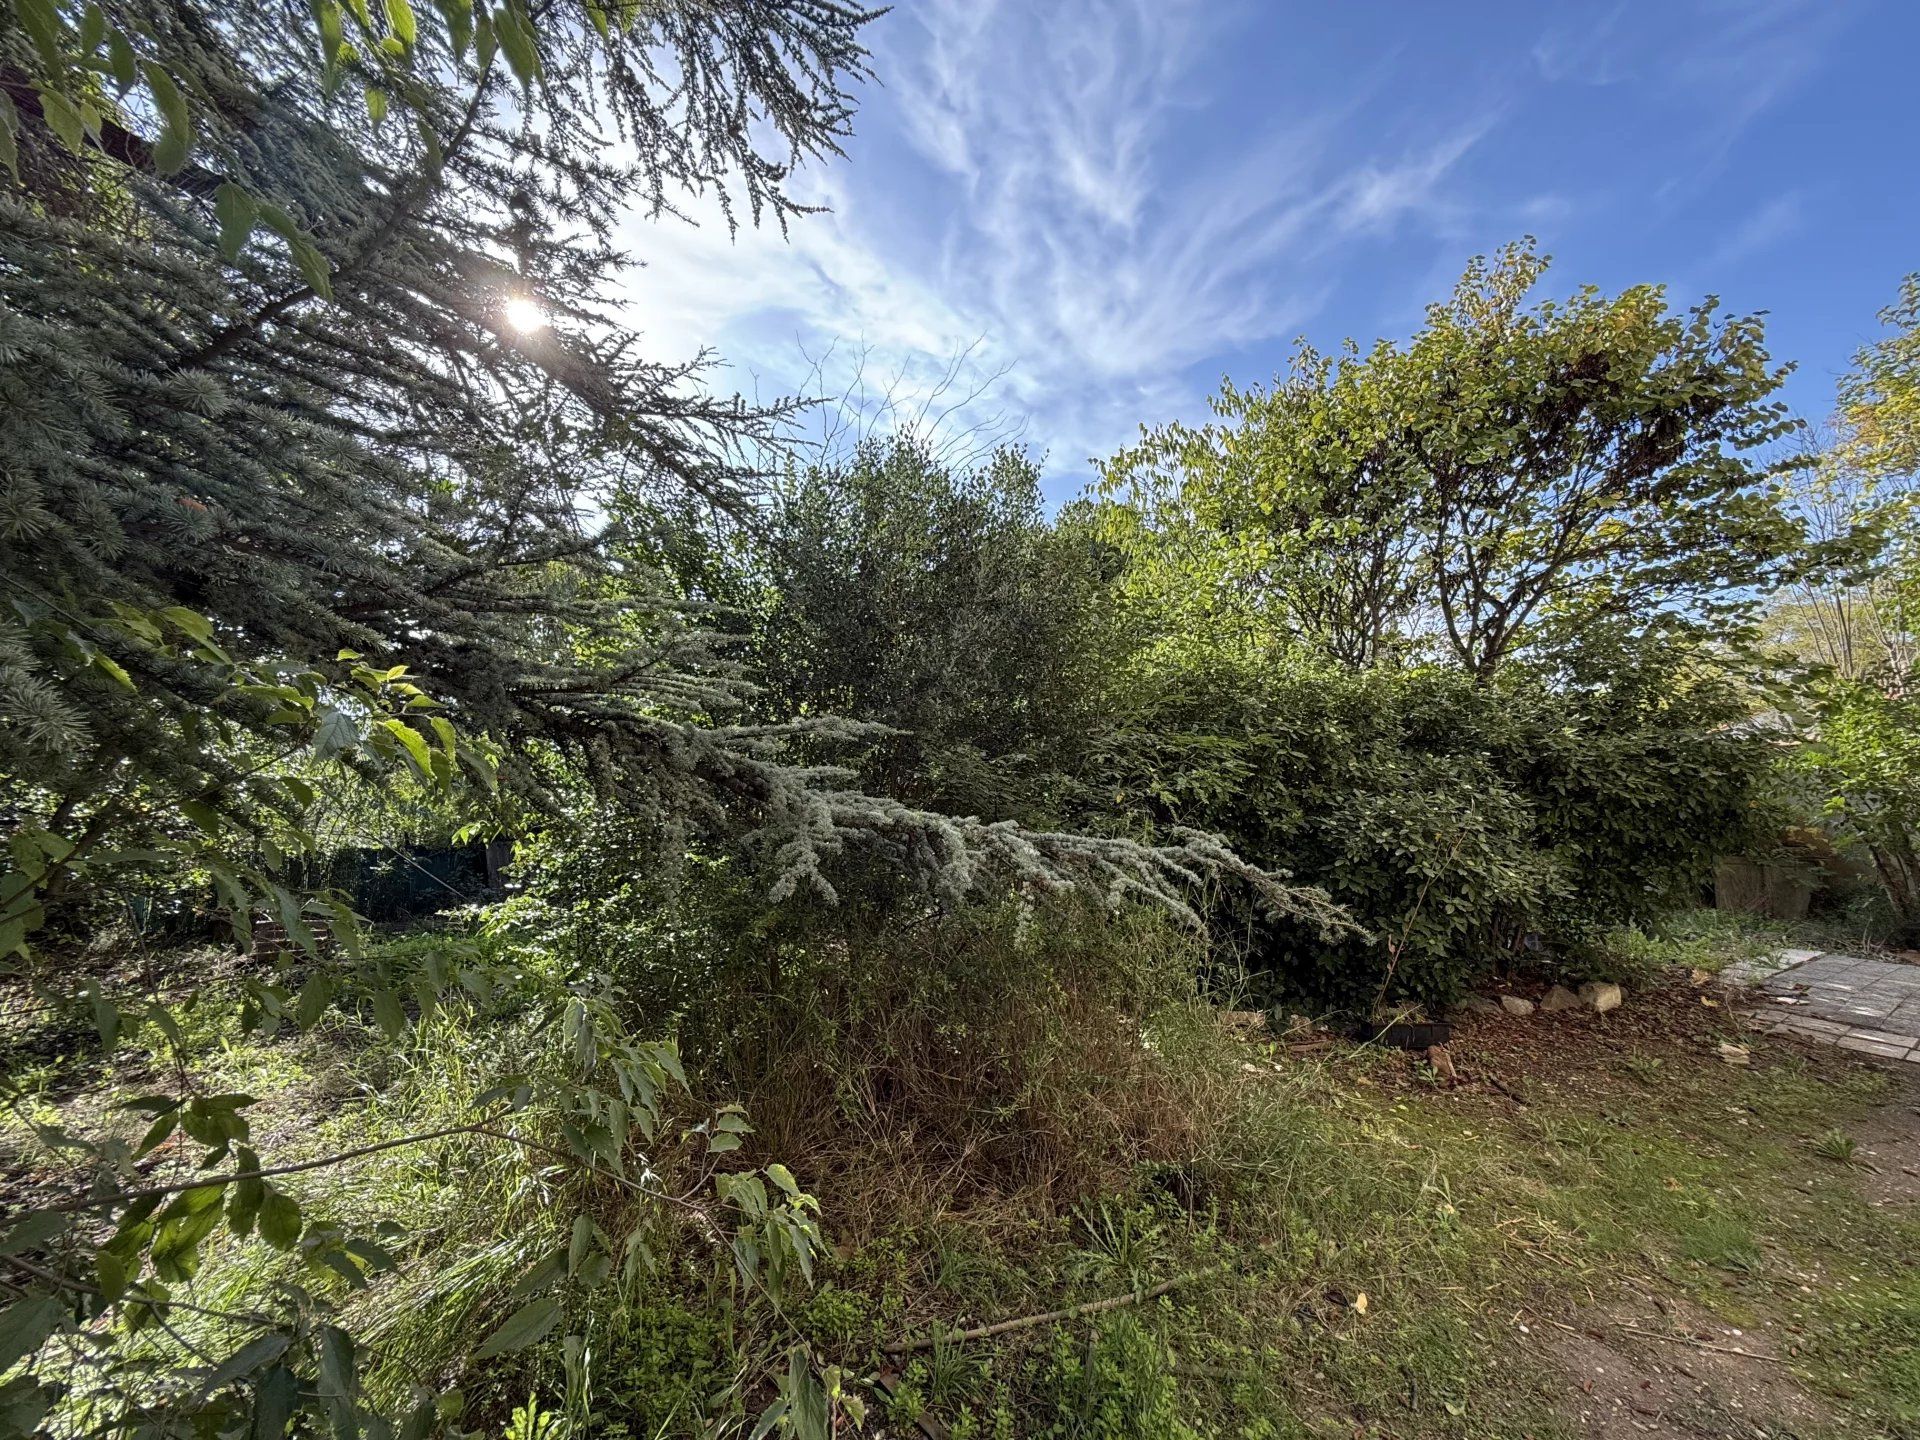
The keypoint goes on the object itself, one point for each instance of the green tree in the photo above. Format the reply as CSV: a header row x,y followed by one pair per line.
x,y
1514,471
942,605
324,449
1849,629
1296,517
1880,396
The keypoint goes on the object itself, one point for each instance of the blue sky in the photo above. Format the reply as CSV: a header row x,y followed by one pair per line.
x,y
1106,205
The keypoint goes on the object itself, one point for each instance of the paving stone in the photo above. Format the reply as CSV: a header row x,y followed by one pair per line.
x,y
1874,1047
1885,1037
1868,1006
1810,1025
1858,1014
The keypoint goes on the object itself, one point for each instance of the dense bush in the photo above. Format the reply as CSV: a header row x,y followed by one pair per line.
x,y
890,1048
1466,822
1466,826
941,603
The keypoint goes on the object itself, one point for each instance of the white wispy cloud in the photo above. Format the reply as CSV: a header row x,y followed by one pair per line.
x,y
1073,210
1772,222
1729,61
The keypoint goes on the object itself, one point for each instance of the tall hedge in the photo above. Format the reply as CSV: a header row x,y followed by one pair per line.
x,y
1469,827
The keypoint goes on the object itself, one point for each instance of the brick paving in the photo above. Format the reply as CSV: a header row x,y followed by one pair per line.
x,y
1872,1006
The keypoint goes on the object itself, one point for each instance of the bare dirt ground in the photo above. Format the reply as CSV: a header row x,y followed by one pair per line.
x,y
1651,1366
1639,1360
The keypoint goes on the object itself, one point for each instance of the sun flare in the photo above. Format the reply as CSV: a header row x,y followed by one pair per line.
x,y
524,314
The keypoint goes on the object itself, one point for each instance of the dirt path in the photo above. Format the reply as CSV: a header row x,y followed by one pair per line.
x,y
1652,1351
1651,1366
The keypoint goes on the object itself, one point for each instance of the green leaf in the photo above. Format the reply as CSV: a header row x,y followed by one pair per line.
x,y
807,1397
516,39
63,118
311,1003
279,1219
375,1257
580,1244
273,1402
170,152
415,745
376,104
41,20
122,60
244,1361
401,22
189,622
388,1014
112,1272
531,1322
459,18
235,211
312,266
25,1326
10,137
156,1134
336,734
337,1379
113,670
182,1226
33,1232
177,141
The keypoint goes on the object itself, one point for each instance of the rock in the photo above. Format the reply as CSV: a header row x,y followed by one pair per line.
x,y
1478,1005
1600,996
1249,1024
1514,1005
1560,998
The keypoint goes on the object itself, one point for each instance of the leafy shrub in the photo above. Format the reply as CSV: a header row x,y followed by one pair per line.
x,y
1867,758
661,1364
1466,826
940,602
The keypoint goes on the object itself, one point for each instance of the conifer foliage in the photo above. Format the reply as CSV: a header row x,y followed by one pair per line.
x,y
306,329
325,448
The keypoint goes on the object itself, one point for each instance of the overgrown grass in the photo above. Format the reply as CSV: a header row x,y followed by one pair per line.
x,y
1366,1251
1395,1257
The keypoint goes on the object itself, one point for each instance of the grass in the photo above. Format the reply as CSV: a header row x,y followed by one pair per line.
x,y
1397,1254
1374,1253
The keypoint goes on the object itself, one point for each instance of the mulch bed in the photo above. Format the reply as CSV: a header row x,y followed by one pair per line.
x,y
1513,1059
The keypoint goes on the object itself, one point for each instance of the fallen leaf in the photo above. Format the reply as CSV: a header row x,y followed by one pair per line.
x,y
1735,1054
1360,1303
